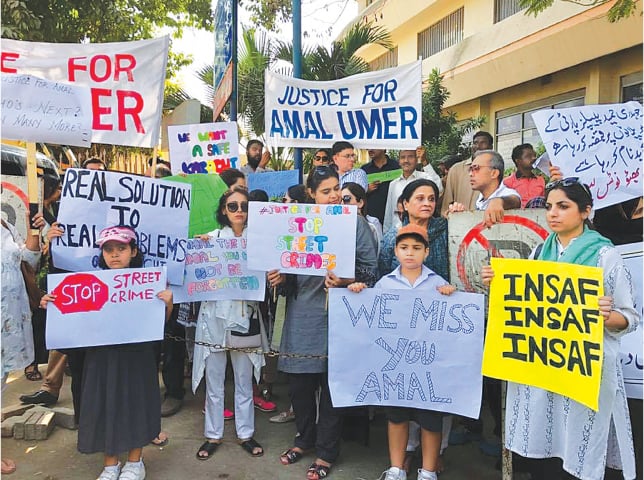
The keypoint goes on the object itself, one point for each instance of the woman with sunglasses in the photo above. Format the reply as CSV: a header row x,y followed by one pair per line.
x,y
354,194
305,331
230,323
558,429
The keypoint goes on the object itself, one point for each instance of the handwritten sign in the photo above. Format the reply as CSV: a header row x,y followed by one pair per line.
x,y
302,238
217,270
275,184
37,110
632,349
105,307
386,176
126,81
544,327
380,109
396,348
203,147
15,203
92,199
600,144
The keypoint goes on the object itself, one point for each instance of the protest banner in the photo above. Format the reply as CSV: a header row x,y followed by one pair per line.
x,y
275,184
37,110
105,307
544,327
600,144
386,176
301,238
126,81
397,348
94,199
15,203
632,348
217,270
204,200
380,109
203,147
471,244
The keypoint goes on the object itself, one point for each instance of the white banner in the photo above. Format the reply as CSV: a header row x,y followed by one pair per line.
x,y
217,270
38,110
632,347
203,147
380,109
105,307
91,200
600,144
126,81
406,348
301,238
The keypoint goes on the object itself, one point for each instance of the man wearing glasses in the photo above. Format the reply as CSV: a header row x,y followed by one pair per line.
x,y
377,192
344,158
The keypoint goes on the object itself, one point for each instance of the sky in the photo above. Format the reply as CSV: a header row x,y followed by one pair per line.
x,y
322,21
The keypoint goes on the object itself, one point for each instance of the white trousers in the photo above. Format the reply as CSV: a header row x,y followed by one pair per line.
x,y
244,410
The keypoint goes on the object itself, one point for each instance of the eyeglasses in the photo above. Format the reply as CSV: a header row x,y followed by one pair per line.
x,y
348,155
346,199
569,182
322,158
474,168
234,206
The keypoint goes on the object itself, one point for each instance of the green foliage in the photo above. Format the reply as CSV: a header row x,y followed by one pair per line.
x,y
621,8
268,13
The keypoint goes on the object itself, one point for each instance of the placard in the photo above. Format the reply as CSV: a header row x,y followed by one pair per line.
x,y
600,144
397,348
91,200
105,307
380,109
15,203
275,184
203,147
302,239
37,110
544,327
217,270
126,81
386,176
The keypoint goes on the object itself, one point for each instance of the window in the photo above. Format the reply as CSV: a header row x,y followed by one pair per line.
x,y
441,35
632,87
505,8
386,60
515,126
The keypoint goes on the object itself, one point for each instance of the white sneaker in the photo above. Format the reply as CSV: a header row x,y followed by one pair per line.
x,y
110,473
425,475
395,473
132,471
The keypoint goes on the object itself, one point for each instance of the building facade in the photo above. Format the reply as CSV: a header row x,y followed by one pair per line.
x,y
500,63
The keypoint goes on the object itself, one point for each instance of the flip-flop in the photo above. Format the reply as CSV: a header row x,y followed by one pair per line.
x,y
32,373
209,448
159,441
317,471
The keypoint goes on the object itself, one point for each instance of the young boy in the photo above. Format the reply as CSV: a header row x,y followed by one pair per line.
x,y
412,247
524,180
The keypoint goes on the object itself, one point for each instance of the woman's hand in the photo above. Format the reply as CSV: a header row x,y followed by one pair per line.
x,y
456,207
555,173
357,287
613,320
204,237
275,278
487,274
333,281
446,289
54,231
48,297
166,296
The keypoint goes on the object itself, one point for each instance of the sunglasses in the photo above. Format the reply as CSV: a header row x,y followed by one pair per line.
x,y
568,182
346,199
474,168
321,158
234,206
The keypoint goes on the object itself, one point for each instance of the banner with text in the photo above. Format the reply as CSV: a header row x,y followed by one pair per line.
x,y
275,184
380,109
38,110
203,147
105,307
217,270
301,238
400,346
91,200
544,327
600,144
126,81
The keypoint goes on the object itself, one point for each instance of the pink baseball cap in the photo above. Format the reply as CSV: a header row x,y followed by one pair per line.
x,y
118,234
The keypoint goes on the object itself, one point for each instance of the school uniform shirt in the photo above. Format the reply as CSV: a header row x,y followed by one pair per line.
x,y
396,187
527,187
427,280
357,175
502,191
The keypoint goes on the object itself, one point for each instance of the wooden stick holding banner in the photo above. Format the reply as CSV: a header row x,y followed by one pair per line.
x,y
32,185
153,167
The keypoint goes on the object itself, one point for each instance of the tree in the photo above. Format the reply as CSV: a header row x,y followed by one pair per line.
x,y
268,13
442,133
620,10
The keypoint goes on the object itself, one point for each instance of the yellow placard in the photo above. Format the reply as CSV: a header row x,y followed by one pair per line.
x,y
544,327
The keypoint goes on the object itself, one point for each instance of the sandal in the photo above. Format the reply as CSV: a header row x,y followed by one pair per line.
x,y
290,456
32,373
317,471
209,448
161,440
251,446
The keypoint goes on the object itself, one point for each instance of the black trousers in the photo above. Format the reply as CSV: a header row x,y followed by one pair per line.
x,y
173,354
325,435
76,362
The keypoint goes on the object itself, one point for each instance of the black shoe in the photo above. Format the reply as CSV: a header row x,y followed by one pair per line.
x,y
40,397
